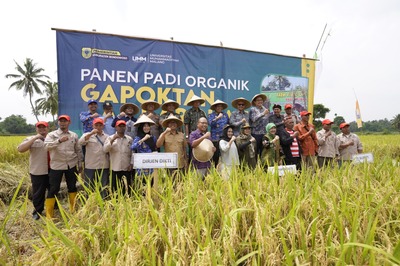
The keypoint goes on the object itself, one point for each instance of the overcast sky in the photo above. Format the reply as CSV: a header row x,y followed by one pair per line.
x,y
360,57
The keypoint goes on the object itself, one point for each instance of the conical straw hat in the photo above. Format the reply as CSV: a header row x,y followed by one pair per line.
x,y
214,104
172,118
145,104
164,105
195,98
247,104
204,151
144,119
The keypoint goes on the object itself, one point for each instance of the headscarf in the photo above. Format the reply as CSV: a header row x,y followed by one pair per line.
x,y
268,128
225,133
141,134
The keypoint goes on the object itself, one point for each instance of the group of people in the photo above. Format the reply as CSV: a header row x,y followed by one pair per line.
x,y
106,149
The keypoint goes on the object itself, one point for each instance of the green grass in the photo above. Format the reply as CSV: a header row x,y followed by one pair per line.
x,y
339,216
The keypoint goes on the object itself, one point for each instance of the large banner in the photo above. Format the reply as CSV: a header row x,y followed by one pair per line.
x,y
121,69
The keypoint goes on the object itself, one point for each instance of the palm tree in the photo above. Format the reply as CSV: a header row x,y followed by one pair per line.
x,y
49,103
396,122
28,81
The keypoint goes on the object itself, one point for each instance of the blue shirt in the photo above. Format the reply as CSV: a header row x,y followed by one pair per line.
x,y
108,128
87,121
216,127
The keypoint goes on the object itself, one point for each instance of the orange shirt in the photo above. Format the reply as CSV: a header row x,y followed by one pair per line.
x,y
308,142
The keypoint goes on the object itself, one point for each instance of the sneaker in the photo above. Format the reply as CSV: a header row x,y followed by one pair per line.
x,y
36,216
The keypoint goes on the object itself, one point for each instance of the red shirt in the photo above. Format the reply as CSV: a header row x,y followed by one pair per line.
x,y
308,142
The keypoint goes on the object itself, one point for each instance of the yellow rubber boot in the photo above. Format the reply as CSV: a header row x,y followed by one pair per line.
x,y
72,199
49,205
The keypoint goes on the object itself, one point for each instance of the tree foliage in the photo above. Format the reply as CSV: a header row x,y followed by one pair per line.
x,y
396,122
49,103
320,111
28,81
16,124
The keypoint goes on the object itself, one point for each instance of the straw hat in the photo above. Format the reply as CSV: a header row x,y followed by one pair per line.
x,y
204,151
246,125
195,98
172,118
247,104
126,105
214,104
263,96
143,119
164,105
145,104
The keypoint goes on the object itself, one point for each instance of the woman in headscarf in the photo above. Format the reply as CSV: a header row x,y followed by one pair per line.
x,y
247,147
144,142
229,152
270,154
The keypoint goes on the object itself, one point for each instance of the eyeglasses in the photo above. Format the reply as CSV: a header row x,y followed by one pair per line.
x,y
241,104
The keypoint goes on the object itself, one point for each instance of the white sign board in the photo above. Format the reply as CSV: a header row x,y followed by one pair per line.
x,y
155,160
363,157
282,169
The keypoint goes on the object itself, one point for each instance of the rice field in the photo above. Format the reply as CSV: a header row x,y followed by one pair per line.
x,y
346,216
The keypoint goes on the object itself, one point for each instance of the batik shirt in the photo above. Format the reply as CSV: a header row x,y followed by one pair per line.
x,y
218,125
236,120
87,121
258,120
191,117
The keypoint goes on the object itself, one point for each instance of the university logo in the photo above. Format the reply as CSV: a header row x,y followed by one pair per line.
x,y
139,59
86,52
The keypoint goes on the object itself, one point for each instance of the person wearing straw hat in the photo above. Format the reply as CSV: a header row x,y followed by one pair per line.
x,y
127,113
144,142
203,148
247,147
119,148
65,160
97,163
258,119
192,117
169,106
240,116
174,141
229,152
150,107
38,166
217,121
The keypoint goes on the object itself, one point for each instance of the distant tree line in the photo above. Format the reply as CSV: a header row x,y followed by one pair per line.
x,y
384,126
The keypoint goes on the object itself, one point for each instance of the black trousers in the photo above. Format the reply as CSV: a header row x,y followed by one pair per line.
x,y
55,177
40,183
294,160
117,181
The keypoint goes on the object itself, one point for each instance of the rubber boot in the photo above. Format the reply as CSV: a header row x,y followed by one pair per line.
x,y
72,198
49,205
